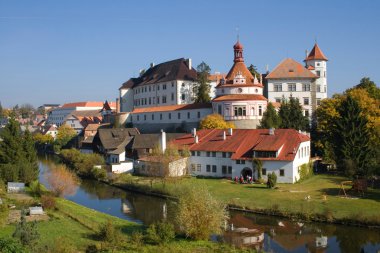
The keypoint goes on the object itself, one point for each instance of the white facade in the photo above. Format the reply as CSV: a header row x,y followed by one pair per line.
x,y
74,123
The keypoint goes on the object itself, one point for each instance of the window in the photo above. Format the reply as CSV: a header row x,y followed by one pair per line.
x,y
158,100
150,88
306,113
264,171
192,153
224,154
220,109
242,161
239,110
152,116
213,154
278,87
260,110
318,73
292,87
229,154
172,96
265,154
208,153
179,115
160,116
318,64
144,116
199,115
188,115
278,100
158,87
214,168
183,96
172,84
306,87
138,117
324,73
208,168
170,115
237,161
150,100
192,167
164,86
198,153
224,169
164,99
229,169
199,167
282,173
306,101
318,101
318,88
183,84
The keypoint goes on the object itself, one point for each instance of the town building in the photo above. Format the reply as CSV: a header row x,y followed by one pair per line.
x,y
220,153
307,83
239,96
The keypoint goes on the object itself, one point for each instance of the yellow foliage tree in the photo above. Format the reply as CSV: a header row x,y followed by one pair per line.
x,y
215,121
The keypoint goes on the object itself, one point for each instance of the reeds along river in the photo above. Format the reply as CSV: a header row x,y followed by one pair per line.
x,y
271,234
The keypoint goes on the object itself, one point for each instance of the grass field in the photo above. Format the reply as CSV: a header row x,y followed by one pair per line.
x,y
323,190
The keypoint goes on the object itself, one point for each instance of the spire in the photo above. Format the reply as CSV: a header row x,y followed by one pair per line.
x,y
316,54
238,52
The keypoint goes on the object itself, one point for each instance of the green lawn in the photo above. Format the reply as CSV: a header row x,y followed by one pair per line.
x,y
287,198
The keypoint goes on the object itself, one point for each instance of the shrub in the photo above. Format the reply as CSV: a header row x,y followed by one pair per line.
x,y
137,238
160,232
108,233
306,171
9,245
200,214
48,202
26,232
272,180
99,173
35,189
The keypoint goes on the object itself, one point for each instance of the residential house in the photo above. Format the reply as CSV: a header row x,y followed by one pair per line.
x,y
220,153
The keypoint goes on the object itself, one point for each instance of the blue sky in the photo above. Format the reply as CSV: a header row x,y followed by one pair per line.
x,y
77,50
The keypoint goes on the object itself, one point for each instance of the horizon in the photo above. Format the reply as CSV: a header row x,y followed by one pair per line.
x,y
72,51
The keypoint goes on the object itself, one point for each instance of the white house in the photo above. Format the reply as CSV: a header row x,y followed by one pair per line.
x,y
307,83
220,153
239,96
14,187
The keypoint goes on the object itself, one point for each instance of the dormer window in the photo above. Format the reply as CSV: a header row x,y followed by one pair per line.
x,y
265,154
239,78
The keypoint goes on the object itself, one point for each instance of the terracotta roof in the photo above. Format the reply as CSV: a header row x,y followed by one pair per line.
x,y
235,97
216,77
290,69
83,104
276,105
238,45
239,67
167,71
310,67
316,54
243,142
172,108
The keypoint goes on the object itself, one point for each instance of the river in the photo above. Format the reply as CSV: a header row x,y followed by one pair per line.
x,y
271,234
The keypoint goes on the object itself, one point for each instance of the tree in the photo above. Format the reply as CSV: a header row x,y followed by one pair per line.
x,y
27,233
31,170
62,181
26,111
254,71
270,118
64,135
199,214
258,164
370,87
1,111
10,148
215,121
291,115
351,142
203,89
272,180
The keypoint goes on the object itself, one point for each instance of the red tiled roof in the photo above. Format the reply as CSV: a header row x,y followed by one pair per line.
x,y
172,108
239,67
310,67
236,97
243,142
216,77
290,69
87,104
316,54
276,105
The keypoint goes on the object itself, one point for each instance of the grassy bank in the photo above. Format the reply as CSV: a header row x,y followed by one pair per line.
x,y
75,227
316,198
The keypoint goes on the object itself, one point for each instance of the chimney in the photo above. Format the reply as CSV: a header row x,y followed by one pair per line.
x,y
230,131
194,132
271,131
196,139
117,105
188,61
307,53
224,135
163,141
152,64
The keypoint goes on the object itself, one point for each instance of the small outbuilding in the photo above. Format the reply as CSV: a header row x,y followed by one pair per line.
x,y
36,210
14,187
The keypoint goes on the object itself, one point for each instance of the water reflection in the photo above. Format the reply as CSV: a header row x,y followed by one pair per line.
x,y
271,234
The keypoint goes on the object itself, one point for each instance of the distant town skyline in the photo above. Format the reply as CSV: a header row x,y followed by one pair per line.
x,y
70,51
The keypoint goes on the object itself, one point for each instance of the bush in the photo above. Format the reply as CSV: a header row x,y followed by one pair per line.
x,y
35,188
99,173
108,233
306,171
160,232
9,245
199,214
272,180
48,202
137,238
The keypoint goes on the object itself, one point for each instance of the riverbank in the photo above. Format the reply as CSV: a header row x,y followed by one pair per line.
x,y
315,199
72,226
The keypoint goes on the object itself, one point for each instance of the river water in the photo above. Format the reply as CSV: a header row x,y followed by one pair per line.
x,y
271,234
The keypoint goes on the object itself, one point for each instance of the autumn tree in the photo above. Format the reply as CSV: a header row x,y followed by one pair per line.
x,y
203,88
62,181
199,214
270,118
215,121
291,115
370,86
64,135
